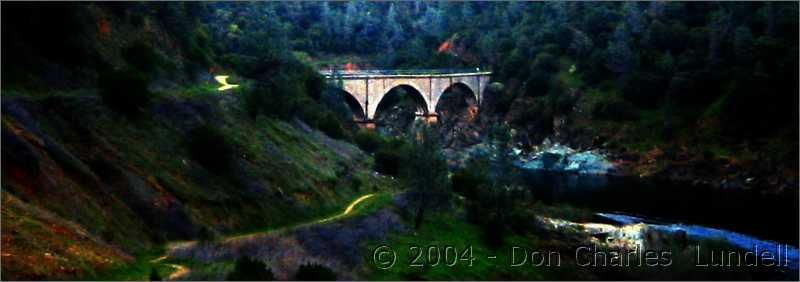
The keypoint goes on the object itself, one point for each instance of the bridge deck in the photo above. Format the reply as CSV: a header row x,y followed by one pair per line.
x,y
374,73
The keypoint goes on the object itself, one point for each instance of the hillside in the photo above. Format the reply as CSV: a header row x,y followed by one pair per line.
x,y
107,159
200,141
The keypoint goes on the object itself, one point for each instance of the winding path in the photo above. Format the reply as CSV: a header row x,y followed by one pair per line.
x,y
181,270
223,79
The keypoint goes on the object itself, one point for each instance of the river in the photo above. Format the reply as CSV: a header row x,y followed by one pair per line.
x,y
744,218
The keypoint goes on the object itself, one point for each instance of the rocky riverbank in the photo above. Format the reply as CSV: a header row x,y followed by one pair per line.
x,y
677,165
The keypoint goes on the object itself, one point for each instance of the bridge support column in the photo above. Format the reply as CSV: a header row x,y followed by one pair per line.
x,y
431,118
368,124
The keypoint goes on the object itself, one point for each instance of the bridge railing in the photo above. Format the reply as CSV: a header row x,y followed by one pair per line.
x,y
336,72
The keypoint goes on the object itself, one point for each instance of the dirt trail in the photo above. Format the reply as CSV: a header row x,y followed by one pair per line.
x,y
223,79
181,270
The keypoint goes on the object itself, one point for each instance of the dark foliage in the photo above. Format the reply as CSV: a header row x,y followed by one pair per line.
x,y
314,272
143,57
614,110
368,140
644,89
248,269
424,169
154,275
388,160
468,182
125,91
211,148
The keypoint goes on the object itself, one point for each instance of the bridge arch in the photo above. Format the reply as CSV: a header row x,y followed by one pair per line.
x,y
359,114
391,96
385,86
457,92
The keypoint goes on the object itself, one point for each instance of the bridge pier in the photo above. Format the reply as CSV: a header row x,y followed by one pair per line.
x,y
431,118
368,124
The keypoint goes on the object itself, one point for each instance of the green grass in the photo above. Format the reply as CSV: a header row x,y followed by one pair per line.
x,y
570,79
303,179
139,270
446,229
201,89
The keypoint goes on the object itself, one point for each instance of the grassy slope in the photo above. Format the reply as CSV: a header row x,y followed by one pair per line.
x,y
131,183
449,228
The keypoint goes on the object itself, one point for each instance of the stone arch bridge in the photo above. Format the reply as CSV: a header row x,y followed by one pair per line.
x,y
367,88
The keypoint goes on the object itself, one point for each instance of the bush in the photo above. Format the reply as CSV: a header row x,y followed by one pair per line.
x,y
644,89
276,97
368,140
314,272
324,120
154,275
331,126
467,182
211,148
247,269
143,57
546,63
538,84
387,160
614,110
493,232
489,218
125,91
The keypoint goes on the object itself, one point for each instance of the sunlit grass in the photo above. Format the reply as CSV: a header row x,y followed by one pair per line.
x,y
223,79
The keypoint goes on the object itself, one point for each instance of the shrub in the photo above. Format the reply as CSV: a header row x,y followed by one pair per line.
x,y
324,120
644,89
125,91
331,126
247,269
368,140
545,62
387,160
614,110
276,97
467,182
314,272
209,147
143,57
538,83
154,275
493,232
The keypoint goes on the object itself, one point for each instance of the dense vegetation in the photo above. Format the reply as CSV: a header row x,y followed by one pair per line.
x,y
117,141
709,73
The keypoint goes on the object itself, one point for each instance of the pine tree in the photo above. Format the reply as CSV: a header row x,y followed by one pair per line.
x,y
154,275
620,56
426,173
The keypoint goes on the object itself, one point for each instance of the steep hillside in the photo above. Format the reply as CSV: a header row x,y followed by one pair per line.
x,y
116,139
129,184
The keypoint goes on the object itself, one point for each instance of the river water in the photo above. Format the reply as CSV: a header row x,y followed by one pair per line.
x,y
744,218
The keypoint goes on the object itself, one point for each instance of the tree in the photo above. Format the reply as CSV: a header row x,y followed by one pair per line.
x,y
154,275
352,20
634,18
495,198
718,27
620,56
743,44
581,44
467,13
393,29
425,171
431,23
248,269
314,272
